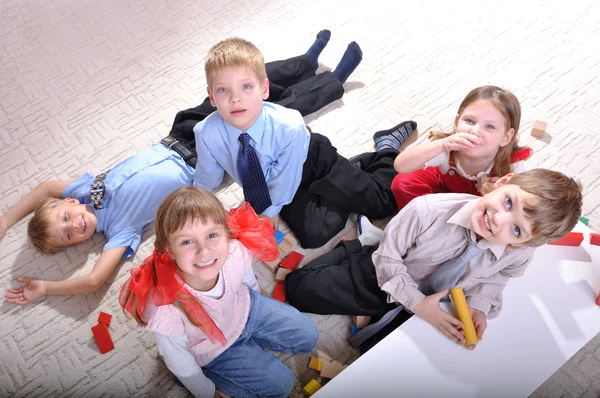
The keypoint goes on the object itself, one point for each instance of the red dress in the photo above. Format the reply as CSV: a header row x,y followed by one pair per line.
x,y
406,187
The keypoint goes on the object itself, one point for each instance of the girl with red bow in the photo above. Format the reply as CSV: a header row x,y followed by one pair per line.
x,y
483,143
198,295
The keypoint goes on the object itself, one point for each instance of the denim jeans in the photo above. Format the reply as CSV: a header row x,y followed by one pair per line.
x,y
245,369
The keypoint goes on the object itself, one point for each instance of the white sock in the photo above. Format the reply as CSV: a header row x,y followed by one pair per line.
x,y
368,234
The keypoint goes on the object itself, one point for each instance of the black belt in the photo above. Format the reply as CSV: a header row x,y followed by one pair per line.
x,y
182,148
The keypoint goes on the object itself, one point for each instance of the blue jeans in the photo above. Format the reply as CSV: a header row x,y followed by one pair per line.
x,y
245,369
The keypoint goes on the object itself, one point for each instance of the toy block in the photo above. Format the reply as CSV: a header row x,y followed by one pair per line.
x,y
282,273
354,330
585,221
522,154
316,364
279,292
102,336
360,321
572,239
291,261
331,369
104,318
279,236
312,387
539,129
595,239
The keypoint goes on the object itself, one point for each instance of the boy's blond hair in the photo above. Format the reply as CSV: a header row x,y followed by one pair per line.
x,y
38,228
558,205
234,52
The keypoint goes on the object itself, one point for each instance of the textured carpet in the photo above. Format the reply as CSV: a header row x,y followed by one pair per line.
x,y
84,84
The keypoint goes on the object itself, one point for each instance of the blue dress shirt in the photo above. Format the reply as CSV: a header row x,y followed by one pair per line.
x,y
280,139
134,189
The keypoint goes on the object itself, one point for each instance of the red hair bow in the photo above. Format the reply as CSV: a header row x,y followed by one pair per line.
x,y
254,232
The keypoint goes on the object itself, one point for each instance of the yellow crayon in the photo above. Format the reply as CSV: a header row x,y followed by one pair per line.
x,y
460,303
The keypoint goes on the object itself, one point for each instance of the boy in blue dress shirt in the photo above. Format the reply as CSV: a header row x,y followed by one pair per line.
x,y
297,174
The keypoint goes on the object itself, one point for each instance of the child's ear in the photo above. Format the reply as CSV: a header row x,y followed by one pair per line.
x,y
503,180
507,137
72,201
212,101
265,89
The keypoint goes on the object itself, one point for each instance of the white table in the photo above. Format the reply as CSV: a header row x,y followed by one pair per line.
x,y
548,315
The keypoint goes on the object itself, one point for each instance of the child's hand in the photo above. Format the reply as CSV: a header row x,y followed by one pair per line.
x,y
219,394
33,290
458,141
274,221
480,324
429,309
3,226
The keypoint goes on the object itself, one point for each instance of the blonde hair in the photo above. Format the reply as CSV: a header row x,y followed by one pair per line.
x,y
38,228
234,52
186,204
508,105
558,205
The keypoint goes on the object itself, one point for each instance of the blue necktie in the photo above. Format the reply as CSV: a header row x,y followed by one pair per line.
x,y
444,277
447,274
255,187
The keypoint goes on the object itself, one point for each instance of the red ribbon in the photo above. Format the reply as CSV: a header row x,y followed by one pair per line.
x,y
252,231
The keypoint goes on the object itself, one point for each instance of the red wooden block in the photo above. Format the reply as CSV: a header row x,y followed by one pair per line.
x,y
595,239
103,339
104,318
291,261
279,292
572,239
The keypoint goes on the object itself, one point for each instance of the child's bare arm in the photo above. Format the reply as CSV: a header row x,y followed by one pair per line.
x,y
47,189
414,157
36,288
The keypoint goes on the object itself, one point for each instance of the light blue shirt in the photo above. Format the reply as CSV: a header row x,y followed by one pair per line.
x,y
280,139
134,189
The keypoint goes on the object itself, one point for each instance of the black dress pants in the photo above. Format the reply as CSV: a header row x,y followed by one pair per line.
x,y
331,188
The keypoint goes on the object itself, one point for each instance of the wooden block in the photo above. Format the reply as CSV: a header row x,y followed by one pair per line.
x,y
360,321
275,263
585,221
291,240
539,129
102,336
312,387
104,318
279,236
282,273
595,239
331,369
316,364
291,261
279,292
354,330
572,239
285,246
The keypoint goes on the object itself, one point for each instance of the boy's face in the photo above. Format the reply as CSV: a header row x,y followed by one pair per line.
x,y
72,223
488,124
238,95
500,217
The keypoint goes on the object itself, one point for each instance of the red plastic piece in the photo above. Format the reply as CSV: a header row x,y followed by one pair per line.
x,y
279,292
103,339
522,154
291,261
595,239
104,318
572,239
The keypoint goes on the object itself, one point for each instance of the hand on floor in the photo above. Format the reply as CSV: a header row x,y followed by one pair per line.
x,y
31,291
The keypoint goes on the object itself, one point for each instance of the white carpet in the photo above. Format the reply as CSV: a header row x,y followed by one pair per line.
x,y
84,84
